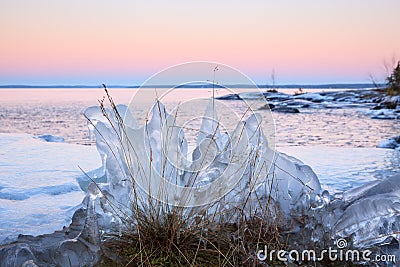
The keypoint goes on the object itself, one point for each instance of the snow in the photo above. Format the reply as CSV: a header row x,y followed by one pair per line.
x,y
250,95
384,114
12,193
38,187
315,97
329,100
343,168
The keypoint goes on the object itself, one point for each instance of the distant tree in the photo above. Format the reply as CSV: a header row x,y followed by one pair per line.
x,y
393,81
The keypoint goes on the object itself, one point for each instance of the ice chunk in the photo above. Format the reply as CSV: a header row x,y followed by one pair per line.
x,y
293,180
94,115
384,114
393,143
210,127
372,214
51,138
126,115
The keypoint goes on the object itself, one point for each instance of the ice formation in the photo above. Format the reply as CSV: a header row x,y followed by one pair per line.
x,y
228,169
371,213
368,215
156,153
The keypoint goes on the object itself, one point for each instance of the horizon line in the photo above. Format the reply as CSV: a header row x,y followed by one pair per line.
x,y
204,85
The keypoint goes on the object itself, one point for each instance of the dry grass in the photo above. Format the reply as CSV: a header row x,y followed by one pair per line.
x,y
158,234
170,241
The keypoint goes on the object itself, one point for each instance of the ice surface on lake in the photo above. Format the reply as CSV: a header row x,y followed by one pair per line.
x,y
38,187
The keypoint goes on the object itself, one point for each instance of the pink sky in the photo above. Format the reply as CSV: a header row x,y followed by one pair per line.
x,y
124,42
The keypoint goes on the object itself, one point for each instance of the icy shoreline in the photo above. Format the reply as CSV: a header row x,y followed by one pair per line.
x,y
49,223
381,106
38,184
81,240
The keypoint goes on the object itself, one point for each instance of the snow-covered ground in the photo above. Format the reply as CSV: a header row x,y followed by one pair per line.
x,y
340,169
38,187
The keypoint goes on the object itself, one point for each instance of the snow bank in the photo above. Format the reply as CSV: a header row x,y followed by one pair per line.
x,y
38,187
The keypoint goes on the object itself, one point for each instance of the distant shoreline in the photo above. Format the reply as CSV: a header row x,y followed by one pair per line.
x,y
206,85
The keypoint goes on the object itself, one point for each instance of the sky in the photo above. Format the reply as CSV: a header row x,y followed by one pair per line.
x,y
124,42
